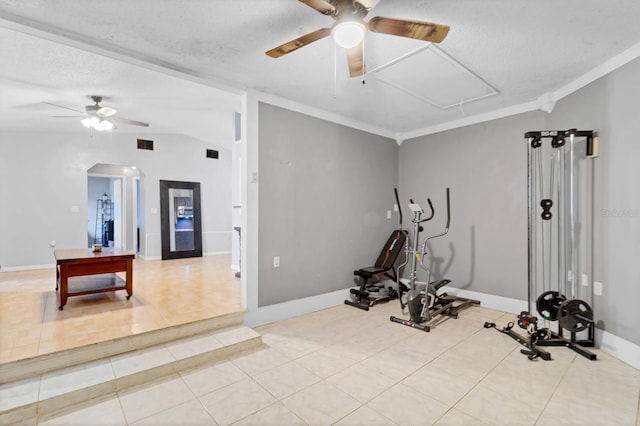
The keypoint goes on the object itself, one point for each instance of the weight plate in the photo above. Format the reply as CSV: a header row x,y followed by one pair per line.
x,y
548,304
575,315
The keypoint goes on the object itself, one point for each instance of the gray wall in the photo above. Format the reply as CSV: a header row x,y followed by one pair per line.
x,y
44,176
610,106
324,194
485,165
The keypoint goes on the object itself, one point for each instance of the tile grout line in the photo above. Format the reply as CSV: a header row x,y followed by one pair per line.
x,y
546,404
453,406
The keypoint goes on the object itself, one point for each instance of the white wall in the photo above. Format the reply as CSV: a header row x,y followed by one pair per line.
x,y
45,175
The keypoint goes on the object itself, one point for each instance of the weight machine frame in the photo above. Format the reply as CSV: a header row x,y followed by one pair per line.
x,y
573,248
557,140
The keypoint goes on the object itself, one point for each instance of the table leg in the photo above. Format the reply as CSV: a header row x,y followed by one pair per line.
x,y
129,278
64,287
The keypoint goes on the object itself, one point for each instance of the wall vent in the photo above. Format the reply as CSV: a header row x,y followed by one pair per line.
x,y
212,153
145,144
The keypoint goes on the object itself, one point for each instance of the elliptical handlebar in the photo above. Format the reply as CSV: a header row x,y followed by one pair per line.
x,y
448,211
432,211
423,249
395,191
446,230
418,211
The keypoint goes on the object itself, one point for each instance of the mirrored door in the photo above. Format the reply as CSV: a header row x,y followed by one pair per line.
x,y
180,217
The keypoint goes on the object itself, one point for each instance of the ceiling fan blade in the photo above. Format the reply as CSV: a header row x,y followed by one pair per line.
x,y
128,121
426,31
367,5
68,116
355,57
105,112
292,45
60,106
321,6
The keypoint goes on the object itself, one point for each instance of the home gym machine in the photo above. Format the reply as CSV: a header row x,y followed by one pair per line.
x,y
371,290
560,264
422,299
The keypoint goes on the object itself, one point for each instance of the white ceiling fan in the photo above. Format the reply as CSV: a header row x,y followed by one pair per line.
x,y
97,117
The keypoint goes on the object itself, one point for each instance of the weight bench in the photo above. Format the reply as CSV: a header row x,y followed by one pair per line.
x,y
370,293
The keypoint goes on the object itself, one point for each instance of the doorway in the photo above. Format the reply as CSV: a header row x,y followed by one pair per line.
x,y
112,204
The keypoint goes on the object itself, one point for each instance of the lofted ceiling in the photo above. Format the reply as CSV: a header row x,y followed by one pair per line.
x,y
182,65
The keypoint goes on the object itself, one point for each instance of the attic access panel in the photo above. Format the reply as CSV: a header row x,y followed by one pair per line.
x,y
434,77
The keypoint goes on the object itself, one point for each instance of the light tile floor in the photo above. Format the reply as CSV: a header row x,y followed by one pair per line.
x,y
344,366
165,293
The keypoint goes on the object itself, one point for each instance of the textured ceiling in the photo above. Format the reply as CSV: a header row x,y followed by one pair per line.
x,y
517,50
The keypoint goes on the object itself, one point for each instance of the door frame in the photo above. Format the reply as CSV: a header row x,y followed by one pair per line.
x,y
165,217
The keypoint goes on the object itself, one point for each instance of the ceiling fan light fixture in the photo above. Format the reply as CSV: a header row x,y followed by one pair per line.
x,y
96,123
104,125
90,122
348,34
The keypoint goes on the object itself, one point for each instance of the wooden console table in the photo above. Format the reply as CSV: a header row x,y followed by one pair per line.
x,y
97,269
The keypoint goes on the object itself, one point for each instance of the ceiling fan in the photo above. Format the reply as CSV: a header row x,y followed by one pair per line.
x,y
349,29
98,117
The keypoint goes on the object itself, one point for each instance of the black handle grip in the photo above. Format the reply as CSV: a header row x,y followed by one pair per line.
x,y
448,210
395,191
432,211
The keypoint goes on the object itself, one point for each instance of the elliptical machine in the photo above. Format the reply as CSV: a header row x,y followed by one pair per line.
x,y
422,299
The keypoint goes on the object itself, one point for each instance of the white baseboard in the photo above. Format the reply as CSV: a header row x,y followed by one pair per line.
x,y
215,253
149,257
293,308
26,267
618,347
490,301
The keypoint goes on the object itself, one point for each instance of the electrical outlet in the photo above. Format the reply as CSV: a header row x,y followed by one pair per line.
x,y
388,214
276,261
597,288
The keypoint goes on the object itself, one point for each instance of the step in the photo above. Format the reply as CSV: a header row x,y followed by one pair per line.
x,y
31,367
56,390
